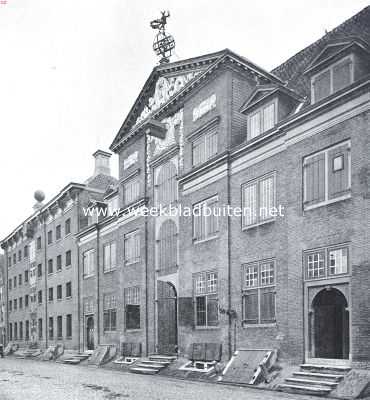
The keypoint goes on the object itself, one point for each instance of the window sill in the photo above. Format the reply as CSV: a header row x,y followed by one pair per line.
x,y
59,299
131,263
88,276
196,241
110,331
69,338
59,270
327,202
133,330
266,325
68,266
269,221
206,328
109,270
69,298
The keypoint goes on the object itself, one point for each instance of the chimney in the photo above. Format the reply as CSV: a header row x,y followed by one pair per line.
x,y
102,165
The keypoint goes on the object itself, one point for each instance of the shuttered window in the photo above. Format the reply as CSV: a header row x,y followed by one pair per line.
x,y
166,185
336,77
326,175
205,290
132,247
205,147
109,254
259,292
167,246
205,219
258,201
110,313
132,307
89,263
131,190
262,120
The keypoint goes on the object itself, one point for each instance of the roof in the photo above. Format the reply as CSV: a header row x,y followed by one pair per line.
x,y
292,70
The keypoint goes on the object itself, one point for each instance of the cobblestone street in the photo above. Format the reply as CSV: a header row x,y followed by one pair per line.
x,y
35,380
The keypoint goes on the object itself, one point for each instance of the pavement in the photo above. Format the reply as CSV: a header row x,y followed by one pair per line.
x,y
37,380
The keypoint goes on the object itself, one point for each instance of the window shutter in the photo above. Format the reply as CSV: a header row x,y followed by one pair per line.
x,y
321,86
267,306
250,205
266,198
212,310
167,248
338,181
255,124
314,172
269,117
113,254
251,307
342,75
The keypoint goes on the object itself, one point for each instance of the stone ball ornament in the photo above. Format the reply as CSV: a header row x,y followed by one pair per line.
x,y
39,196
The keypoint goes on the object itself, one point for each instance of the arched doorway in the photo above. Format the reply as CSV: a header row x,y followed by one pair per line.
x,y
167,318
330,325
90,333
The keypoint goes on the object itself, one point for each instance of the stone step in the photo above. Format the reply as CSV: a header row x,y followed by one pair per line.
x,y
325,368
71,361
151,365
302,389
158,357
318,375
144,371
163,363
309,382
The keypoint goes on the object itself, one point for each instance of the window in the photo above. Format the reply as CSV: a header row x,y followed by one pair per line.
x,y
15,282
205,147
58,232
109,254
59,327
326,262
14,258
25,251
132,247
27,333
10,331
32,251
205,286
10,305
50,266
110,313
68,290
59,262
88,305
19,255
39,270
51,294
10,284
15,304
262,120
258,297
205,219
132,307
20,280
9,261
38,243
69,326
50,237
51,328
131,190
15,331
68,258
21,330
258,201
327,176
26,300
167,246
39,296
26,275
20,301
67,226
40,328
331,80
89,263
59,292
165,188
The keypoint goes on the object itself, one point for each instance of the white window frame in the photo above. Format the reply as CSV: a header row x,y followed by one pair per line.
x,y
260,110
326,250
326,183
331,67
91,259
258,288
134,182
111,266
128,236
204,140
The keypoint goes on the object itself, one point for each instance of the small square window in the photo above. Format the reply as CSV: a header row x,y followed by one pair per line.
x,y
338,163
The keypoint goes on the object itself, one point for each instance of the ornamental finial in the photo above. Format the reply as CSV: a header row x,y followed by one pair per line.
x,y
163,43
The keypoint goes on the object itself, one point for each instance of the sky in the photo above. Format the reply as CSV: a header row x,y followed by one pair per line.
x,y
70,71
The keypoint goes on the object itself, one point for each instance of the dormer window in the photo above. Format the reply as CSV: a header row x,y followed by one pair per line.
x,y
334,78
262,119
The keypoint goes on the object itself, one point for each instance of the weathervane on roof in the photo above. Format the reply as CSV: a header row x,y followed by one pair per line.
x,y
163,43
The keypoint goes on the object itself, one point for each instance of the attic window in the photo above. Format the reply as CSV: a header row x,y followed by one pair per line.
x,y
332,79
262,120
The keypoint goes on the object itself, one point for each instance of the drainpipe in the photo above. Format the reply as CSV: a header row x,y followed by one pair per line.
x,y
229,285
78,275
6,337
146,257
97,283
46,288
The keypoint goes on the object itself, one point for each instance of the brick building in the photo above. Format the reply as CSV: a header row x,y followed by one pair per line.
x,y
217,132
42,264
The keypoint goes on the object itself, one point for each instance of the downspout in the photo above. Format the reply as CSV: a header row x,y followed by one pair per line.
x,y
7,299
146,256
97,283
46,288
78,274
